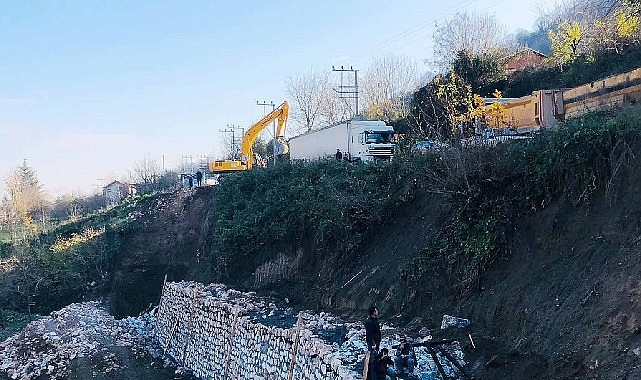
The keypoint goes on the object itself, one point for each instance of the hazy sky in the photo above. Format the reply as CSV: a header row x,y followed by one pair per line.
x,y
89,88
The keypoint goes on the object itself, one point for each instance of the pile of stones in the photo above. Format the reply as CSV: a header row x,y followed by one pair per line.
x,y
221,333
210,332
48,345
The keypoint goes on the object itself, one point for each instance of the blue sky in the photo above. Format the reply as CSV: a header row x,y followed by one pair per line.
x,y
88,88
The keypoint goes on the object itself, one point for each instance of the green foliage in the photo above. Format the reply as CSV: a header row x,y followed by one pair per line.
x,y
438,107
583,69
263,148
5,236
328,203
52,269
483,72
484,191
518,179
5,247
13,322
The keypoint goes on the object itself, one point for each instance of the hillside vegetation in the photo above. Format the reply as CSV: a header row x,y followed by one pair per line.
x,y
511,236
482,193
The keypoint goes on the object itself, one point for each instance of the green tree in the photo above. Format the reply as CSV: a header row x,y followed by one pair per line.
x,y
66,206
441,109
26,202
482,72
263,148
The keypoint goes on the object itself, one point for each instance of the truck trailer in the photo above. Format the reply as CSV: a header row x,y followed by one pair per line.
x,y
357,140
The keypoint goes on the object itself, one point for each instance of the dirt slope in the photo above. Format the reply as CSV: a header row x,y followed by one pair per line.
x,y
169,238
564,304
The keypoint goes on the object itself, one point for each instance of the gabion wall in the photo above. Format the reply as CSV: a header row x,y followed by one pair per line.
x,y
214,332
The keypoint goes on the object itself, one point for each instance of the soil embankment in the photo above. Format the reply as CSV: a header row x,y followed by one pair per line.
x,y
169,237
564,303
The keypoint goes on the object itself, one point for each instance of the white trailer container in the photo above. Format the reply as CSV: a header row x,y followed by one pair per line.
x,y
363,140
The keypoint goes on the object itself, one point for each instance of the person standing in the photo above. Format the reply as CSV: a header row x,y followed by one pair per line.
x,y
373,329
373,341
199,178
339,155
190,182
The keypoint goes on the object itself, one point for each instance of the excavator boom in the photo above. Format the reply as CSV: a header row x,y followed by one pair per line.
x,y
246,160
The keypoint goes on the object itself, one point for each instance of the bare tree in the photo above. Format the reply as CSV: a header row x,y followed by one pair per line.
x,y
386,86
146,171
307,92
232,143
5,213
586,12
473,33
334,108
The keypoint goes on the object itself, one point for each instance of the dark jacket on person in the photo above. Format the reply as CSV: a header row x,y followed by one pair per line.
x,y
381,365
372,332
407,349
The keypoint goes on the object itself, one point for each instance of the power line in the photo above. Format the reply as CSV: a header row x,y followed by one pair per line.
x,y
429,22
231,129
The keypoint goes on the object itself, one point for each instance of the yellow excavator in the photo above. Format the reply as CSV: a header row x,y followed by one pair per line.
x,y
247,159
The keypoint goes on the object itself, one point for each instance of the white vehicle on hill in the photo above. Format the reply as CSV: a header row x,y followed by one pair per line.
x,y
363,140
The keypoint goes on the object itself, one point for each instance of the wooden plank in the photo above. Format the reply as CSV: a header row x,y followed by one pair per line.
x,y
366,366
295,348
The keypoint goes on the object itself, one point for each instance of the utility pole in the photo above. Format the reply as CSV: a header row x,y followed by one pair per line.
x,y
226,131
264,104
348,92
203,160
188,160
234,146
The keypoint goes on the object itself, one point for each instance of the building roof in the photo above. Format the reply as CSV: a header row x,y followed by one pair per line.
x,y
116,182
521,51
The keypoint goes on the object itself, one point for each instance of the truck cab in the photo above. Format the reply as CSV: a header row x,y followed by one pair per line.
x,y
370,140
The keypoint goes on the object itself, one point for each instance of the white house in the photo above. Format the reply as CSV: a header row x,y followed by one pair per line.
x,y
116,191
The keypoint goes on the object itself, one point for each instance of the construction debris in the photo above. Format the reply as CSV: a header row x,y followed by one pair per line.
x,y
210,332
221,333
48,345
449,321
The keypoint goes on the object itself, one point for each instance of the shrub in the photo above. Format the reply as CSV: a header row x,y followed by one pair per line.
x,y
331,203
517,179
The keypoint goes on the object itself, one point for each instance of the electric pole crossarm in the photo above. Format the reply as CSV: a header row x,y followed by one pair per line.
x,y
353,89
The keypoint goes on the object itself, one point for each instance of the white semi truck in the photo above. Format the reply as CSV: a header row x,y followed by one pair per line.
x,y
363,140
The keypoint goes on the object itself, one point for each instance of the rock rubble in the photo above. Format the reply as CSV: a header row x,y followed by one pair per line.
x,y
211,332
221,333
48,345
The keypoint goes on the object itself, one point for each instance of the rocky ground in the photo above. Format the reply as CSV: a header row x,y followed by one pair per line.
x,y
83,341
